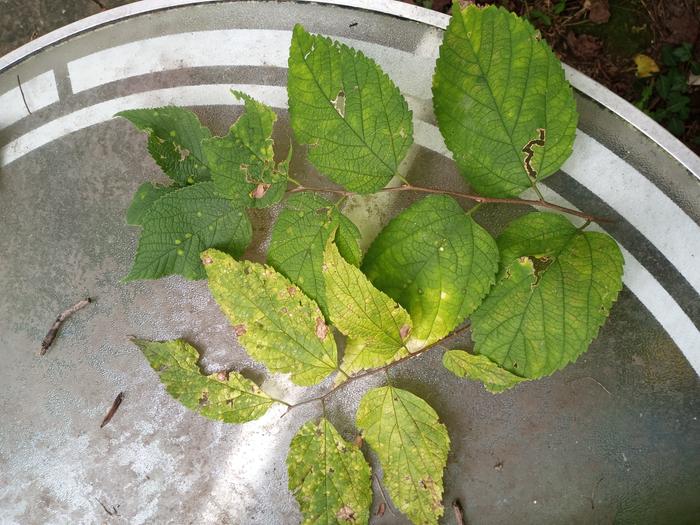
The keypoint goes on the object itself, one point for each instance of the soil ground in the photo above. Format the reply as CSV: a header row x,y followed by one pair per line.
x,y
598,37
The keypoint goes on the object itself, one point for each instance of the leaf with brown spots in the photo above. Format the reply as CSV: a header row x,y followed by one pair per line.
x,y
224,396
328,476
275,327
412,446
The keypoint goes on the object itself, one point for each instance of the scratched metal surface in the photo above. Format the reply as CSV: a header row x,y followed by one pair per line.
x,y
613,438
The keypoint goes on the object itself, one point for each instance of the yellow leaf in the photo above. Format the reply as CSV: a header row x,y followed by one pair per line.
x,y
646,66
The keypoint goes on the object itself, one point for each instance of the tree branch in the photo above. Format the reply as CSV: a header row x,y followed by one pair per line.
x,y
372,371
468,196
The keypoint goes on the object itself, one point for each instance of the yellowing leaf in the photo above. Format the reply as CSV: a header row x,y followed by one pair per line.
x,y
412,446
480,368
276,323
646,67
225,396
328,476
362,312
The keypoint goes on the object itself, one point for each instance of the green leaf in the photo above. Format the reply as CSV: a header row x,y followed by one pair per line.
x,y
496,85
362,312
242,163
412,446
299,238
354,119
435,261
174,141
224,396
480,368
179,225
550,302
273,319
144,197
328,476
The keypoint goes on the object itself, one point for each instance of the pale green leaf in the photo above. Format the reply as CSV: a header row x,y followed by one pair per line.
x,y
362,312
299,238
276,323
174,141
496,85
328,476
354,119
435,261
550,303
412,446
242,163
144,197
480,368
225,396
179,225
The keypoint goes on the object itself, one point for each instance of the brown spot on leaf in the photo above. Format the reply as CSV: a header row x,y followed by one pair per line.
x,y
404,331
345,513
222,376
292,291
260,190
239,329
358,441
206,260
321,328
204,399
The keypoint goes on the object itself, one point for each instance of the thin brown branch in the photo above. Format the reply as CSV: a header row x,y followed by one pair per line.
x,y
113,410
459,512
468,196
373,371
53,331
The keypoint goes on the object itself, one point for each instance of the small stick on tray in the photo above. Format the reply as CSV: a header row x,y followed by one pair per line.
x,y
53,331
117,401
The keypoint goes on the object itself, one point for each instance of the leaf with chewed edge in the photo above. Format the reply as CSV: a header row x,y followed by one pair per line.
x,y
329,476
223,396
275,322
556,288
174,141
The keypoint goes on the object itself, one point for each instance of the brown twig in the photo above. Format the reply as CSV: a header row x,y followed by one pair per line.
x,y
372,371
21,92
468,196
112,512
459,512
53,331
117,401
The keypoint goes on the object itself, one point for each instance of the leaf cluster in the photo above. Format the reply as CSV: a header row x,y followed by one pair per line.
x,y
666,96
536,294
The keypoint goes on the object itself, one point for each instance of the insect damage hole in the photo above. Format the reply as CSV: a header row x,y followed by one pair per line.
x,y
339,103
529,153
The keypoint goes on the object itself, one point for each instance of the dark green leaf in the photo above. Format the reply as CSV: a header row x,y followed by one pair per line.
x,y
183,223
352,116
436,262
174,141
